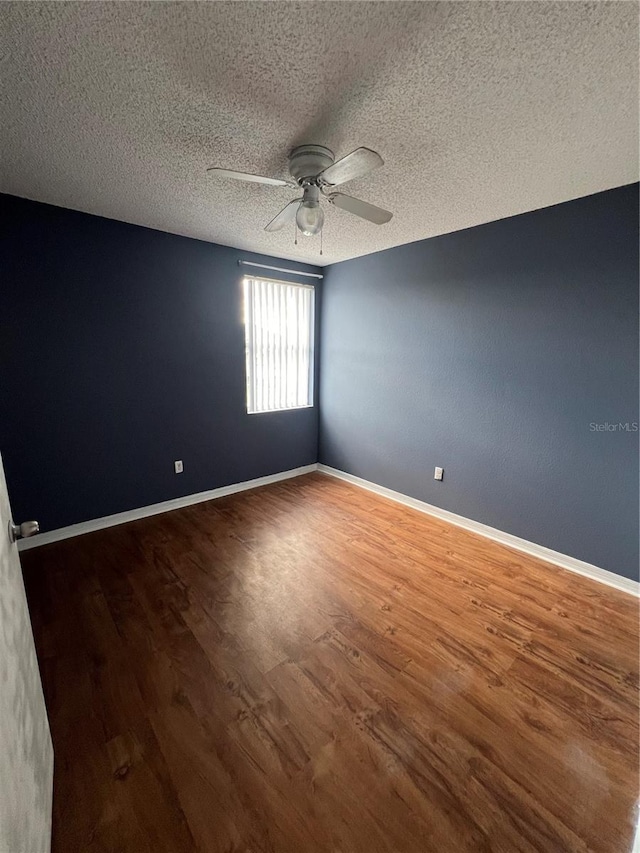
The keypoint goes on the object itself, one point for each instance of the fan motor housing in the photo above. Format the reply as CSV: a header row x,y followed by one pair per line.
x,y
307,161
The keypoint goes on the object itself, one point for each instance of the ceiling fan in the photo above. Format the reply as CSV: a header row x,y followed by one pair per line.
x,y
313,169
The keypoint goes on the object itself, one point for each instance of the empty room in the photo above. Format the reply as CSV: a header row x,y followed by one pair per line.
x,y
319,427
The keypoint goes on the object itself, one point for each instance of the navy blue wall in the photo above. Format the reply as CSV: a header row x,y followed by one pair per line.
x,y
123,350
491,352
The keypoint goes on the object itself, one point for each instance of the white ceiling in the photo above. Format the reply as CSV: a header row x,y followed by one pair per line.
x,y
481,110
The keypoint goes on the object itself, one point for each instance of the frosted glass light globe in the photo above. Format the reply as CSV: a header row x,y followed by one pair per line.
x,y
310,218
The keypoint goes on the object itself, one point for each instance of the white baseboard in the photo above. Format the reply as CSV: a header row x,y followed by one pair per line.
x,y
539,551
155,509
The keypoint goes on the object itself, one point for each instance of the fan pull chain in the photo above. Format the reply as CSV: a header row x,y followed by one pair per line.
x,y
321,242
295,233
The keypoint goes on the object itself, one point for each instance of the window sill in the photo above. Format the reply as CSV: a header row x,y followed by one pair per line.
x,y
287,409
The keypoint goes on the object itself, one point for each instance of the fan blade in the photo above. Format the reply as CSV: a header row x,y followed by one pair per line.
x,y
245,176
354,165
287,214
361,208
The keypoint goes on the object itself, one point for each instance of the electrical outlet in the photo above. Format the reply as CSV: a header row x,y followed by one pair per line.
x,y
178,466
438,474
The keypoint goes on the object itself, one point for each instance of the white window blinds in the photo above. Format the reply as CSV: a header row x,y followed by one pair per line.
x,y
279,345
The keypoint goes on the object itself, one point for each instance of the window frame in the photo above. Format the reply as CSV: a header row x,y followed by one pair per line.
x,y
250,349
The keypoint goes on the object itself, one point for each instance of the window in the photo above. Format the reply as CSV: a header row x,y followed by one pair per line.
x,y
279,345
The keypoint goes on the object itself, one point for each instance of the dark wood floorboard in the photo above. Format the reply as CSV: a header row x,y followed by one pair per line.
x,y
309,667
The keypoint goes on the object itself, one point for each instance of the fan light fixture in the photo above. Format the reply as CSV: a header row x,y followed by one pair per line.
x,y
310,216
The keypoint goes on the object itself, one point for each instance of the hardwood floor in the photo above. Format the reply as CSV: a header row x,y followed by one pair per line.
x,y
309,667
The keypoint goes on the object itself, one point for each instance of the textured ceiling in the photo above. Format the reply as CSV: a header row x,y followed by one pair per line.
x,y
481,110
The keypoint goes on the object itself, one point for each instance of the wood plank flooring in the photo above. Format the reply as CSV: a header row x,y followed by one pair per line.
x,y
308,667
